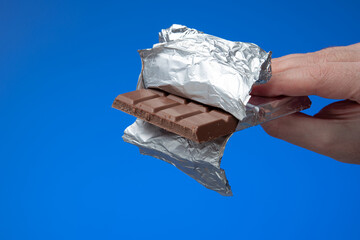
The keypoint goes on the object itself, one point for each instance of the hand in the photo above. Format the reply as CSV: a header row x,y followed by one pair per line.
x,y
329,73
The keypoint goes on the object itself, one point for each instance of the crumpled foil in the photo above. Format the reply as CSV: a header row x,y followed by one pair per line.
x,y
213,71
205,68
201,161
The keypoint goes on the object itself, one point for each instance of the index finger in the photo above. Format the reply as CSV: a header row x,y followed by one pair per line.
x,y
335,80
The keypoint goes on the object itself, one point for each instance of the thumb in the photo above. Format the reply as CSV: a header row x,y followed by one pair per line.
x,y
302,130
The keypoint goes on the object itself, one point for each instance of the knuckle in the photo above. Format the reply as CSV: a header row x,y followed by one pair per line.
x,y
319,74
326,55
329,54
335,54
319,57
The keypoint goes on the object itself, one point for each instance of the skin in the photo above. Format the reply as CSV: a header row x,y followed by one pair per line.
x,y
330,73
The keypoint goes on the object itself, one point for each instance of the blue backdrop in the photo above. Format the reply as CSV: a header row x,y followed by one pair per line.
x,y
65,172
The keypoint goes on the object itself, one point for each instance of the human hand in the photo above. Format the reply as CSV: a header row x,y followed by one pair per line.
x,y
329,73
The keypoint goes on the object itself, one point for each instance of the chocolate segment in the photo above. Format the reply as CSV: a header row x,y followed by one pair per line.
x,y
184,117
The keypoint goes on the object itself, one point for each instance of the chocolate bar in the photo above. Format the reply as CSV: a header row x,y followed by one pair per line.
x,y
192,120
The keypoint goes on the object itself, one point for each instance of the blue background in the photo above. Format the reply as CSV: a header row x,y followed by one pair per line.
x,y
65,172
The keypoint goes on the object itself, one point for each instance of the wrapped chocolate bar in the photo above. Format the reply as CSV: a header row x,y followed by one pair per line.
x,y
201,161
187,68
205,68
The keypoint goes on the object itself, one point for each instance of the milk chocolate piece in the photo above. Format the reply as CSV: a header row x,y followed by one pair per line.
x,y
184,117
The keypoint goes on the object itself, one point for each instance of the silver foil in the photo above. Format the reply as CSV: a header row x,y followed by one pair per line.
x,y
213,71
199,161
205,68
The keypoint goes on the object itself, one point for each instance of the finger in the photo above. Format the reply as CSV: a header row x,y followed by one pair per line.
x,y
302,130
333,54
330,80
345,110
334,132
349,53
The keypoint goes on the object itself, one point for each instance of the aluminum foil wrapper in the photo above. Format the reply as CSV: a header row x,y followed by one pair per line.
x,y
205,68
213,71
